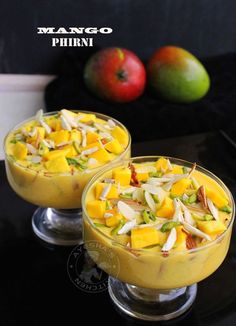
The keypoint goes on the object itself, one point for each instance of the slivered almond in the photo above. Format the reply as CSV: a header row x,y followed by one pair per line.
x,y
105,192
90,151
65,124
146,169
170,240
126,210
127,227
150,201
213,209
84,138
196,231
201,195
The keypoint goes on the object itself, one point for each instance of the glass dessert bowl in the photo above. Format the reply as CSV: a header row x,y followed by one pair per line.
x,y
169,224
51,157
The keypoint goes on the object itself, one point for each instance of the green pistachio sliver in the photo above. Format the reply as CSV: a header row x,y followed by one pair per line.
x,y
100,225
208,217
118,227
185,169
76,147
226,209
72,161
14,141
152,216
126,195
192,199
107,205
198,217
145,216
155,174
155,198
169,225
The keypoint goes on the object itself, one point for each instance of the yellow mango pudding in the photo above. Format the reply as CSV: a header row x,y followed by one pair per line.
x,y
167,221
51,157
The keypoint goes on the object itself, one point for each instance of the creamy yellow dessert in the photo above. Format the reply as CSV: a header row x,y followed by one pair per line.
x,y
169,224
51,157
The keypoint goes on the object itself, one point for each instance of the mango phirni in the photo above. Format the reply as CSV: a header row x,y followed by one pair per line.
x,y
167,223
51,157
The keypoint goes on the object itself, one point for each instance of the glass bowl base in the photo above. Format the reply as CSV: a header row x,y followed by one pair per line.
x,y
148,304
58,226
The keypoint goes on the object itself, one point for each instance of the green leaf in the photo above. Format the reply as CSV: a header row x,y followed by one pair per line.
x,y
169,225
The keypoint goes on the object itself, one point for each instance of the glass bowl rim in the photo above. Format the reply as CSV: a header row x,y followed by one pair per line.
x,y
152,157
50,174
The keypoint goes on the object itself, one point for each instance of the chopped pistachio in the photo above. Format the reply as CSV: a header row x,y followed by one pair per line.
x,y
169,225
118,227
76,147
226,209
146,216
14,141
155,174
192,199
72,161
208,217
155,198
100,225
108,205
152,216
126,195
185,169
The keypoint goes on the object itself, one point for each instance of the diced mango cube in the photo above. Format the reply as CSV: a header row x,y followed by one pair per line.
x,y
86,117
19,150
57,165
75,135
216,198
59,136
55,154
167,209
142,176
114,146
180,187
211,227
144,237
113,220
91,145
181,238
122,136
71,150
96,208
92,137
122,175
162,164
101,156
113,193
177,169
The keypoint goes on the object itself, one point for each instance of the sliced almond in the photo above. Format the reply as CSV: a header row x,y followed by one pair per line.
x,y
84,138
31,149
150,201
111,123
178,216
69,118
105,192
126,210
187,215
138,195
213,209
107,215
65,124
196,231
201,195
36,159
173,180
170,240
146,169
127,227
90,151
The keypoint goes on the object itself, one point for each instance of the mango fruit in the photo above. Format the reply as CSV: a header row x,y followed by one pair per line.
x,y
167,209
57,165
211,227
177,75
114,147
96,208
120,135
113,193
122,176
19,151
144,237
216,198
180,187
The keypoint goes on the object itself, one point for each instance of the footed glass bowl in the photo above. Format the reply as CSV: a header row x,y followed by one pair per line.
x,y
150,285
58,195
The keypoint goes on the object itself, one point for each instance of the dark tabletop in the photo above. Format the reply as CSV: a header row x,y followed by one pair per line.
x,y
35,288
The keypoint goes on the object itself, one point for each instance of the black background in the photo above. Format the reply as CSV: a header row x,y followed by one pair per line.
x,y
204,27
